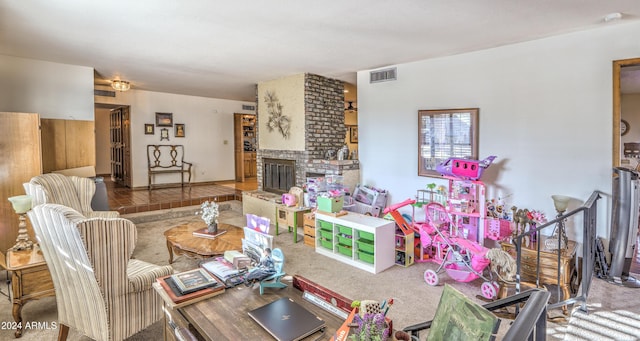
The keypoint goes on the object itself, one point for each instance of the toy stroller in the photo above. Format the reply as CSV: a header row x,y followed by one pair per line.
x,y
462,259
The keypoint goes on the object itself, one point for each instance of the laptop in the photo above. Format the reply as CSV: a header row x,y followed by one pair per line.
x,y
286,320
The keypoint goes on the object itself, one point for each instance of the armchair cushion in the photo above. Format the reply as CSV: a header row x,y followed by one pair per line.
x,y
142,274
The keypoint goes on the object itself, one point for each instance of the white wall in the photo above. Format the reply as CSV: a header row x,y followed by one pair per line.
x,y
57,91
290,92
208,137
545,111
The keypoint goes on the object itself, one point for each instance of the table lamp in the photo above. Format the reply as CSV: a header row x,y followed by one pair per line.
x,y
22,204
560,202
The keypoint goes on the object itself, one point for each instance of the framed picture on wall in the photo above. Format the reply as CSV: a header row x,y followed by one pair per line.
x,y
149,129
353,134
164,134
179,132
164,119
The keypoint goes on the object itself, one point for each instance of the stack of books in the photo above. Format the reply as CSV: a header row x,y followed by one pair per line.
x,y
225,271
189,287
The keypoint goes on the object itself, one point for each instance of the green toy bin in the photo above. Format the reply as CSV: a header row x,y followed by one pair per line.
x,y
345,230
365,245
328,235
327,244
365,235
345,250
331,205
325,225
365,257
344,240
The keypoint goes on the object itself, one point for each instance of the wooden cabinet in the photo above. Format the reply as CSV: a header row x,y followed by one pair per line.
x,y
549,266
67,144
244,131
250,164
310,229
21,160
362,241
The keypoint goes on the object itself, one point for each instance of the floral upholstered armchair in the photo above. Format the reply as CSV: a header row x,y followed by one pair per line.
x,y
100,290
71,191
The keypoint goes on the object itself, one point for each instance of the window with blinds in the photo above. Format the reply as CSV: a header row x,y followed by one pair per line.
x,y
443,134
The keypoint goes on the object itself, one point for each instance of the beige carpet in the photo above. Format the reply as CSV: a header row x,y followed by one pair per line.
x,y
415,301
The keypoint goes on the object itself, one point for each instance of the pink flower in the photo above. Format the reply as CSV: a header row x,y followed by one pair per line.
x,y
537,217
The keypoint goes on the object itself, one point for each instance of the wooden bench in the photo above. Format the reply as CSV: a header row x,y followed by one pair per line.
x,y
167,159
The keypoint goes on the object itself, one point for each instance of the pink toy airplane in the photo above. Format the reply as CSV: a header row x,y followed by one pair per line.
x,y
464,168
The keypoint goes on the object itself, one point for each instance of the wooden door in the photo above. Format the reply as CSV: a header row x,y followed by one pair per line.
x,y
120,146
20,152
238,142
126,145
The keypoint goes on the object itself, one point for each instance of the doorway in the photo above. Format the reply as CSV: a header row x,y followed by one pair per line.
x,y
626,77
245,146
120,145
626,122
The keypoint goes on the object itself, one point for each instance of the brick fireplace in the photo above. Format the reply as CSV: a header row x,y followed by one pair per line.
x,y
324,129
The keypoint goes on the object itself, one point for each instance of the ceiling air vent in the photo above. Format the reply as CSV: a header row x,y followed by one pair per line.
x,y
105,93
248,107
383,75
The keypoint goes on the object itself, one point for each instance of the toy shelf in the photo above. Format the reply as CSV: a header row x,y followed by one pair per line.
x,y
467,205
362,241
404,248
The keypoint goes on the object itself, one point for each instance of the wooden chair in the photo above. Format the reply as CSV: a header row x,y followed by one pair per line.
x,y
274,281
167,159
100,291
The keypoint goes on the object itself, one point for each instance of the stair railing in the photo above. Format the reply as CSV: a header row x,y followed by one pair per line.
x,y
589,213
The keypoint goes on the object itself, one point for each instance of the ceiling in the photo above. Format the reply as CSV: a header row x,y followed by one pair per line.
x,y
221,49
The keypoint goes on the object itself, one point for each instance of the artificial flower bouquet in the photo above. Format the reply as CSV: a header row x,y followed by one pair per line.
x,y
210,212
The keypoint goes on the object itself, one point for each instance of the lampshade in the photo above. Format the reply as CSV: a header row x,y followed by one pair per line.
x,y
560,202
120,85
21,203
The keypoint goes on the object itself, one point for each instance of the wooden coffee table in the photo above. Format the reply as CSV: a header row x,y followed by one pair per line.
x,y
181,241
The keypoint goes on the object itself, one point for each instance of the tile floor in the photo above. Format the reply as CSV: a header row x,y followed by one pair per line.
x,y
126,200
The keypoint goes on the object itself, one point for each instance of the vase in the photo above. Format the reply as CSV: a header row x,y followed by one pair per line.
x,y
212,228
